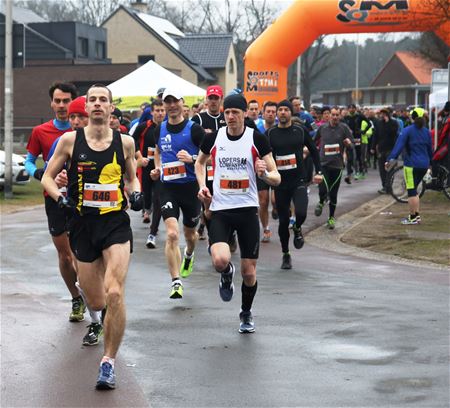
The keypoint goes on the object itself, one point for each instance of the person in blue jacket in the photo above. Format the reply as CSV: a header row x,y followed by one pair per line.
x,y
415,145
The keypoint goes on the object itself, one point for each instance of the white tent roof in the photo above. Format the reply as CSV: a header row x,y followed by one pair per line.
x,y
147,79
439,98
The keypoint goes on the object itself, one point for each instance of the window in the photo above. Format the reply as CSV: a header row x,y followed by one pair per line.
x,y
100,50
401,96
142,59
231,67
83,47
390,97
378,100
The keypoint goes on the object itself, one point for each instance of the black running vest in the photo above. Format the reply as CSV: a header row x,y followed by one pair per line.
x,y
96,177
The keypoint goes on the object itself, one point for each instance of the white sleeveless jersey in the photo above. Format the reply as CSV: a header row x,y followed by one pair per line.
x,y
234,181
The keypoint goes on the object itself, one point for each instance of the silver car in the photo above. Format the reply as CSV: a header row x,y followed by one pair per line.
x,y
19,174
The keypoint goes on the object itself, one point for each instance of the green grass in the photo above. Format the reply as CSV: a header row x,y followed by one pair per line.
x,y
24,195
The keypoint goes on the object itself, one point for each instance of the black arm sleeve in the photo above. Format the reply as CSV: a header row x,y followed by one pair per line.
x,y
137,136
156,134
208,143
261,143
197,134
309,143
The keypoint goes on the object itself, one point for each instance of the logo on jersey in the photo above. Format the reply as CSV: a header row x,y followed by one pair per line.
x,y
372,11
166,143
167,206
233,163
82,156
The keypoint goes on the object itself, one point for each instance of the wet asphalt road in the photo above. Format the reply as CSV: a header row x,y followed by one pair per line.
x,y
334,331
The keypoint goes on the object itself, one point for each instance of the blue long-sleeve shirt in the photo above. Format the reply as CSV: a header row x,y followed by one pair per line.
x,y
415,144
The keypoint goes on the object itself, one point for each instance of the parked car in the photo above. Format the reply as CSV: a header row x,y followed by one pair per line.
x,y
20,175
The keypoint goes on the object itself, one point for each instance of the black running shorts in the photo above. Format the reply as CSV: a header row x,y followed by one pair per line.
x,y
244,221
176,196
89,235
56,218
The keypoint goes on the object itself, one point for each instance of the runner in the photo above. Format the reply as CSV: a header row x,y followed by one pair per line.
x,y
263,125
414,143
100,233
239,154
211,120
287,141
334,137
40,142
177,144
145,155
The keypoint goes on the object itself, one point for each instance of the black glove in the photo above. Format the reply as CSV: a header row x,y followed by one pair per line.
x,y
38,174
67,204
136,201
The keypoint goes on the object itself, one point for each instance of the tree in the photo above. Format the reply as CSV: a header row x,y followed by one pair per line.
x,y
433,48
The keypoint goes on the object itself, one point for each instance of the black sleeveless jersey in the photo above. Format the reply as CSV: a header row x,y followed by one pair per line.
x,y
207,121
96,177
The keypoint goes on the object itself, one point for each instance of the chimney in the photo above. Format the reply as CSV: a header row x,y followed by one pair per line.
x,y
140,6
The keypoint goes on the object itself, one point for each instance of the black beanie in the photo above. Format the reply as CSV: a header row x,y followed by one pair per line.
x,y
447,106
235,102
286,103
117,113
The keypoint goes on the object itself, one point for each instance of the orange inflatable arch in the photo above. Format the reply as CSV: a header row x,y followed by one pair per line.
x,y
268,58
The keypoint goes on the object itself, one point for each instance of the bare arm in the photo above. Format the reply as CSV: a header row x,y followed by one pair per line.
x,y
156,172
204,194
266,169
130,163
56,163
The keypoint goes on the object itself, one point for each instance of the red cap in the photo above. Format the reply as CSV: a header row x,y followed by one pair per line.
x,y
78,106
214,90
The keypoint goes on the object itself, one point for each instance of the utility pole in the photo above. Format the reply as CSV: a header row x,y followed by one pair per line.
x,y
299,77
357,72
8,98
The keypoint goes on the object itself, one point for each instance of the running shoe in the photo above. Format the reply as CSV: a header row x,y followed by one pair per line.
x,y
357,176
291,222
411,220
151,241
331,223
247,325
95,330
176,291
78,309
233,242
187,265
201,232
362,176
266,236
348,180
226,286
299,241
106,379
274,214
382,191
318,209
286,263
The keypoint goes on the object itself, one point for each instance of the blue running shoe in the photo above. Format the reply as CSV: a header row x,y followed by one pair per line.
x,y
246,325
226,286
106,378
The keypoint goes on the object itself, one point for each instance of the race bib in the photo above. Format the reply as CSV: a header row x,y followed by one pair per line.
x,y
357,142
174,170
100,195
331,149
210,173
235,184
151,153
286,162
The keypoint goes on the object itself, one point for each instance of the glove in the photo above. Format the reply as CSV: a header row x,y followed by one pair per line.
x,y
136,200
38,173
67,204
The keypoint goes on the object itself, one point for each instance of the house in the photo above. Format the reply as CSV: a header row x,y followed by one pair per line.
x,y
137,37
45,52
404,80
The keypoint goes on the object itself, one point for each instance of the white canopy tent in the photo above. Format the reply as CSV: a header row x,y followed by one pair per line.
x,y
439,98
138,86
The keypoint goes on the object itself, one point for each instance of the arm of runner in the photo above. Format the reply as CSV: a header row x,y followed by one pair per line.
x,y
266,169
56,163
156,172
130,164
204,194
141,160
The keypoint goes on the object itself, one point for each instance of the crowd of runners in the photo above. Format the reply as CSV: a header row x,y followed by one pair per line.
x,y
224,167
